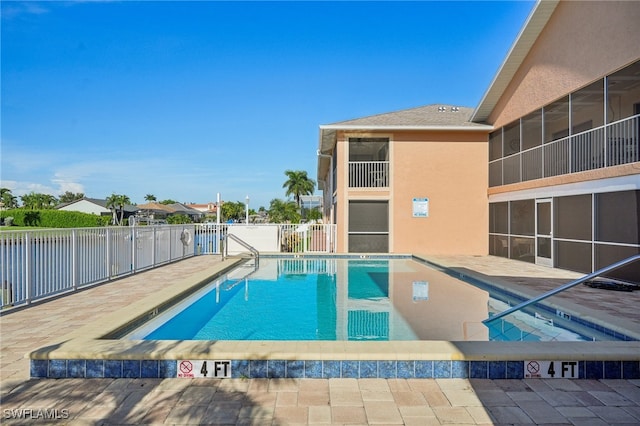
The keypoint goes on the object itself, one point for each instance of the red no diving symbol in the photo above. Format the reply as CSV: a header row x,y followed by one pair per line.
x,y
186,367
533,367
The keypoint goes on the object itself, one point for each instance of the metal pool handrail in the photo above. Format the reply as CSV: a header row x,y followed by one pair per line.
x,y
564,287
243,243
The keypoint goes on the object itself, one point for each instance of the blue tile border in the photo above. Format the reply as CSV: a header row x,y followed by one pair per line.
x,y
324,369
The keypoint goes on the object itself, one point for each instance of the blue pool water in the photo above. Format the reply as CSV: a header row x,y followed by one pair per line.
x,y
344,299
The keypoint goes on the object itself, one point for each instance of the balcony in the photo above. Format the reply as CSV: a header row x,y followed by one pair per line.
x,y
606,146
368,174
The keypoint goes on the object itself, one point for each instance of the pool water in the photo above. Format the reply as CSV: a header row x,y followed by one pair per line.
x,y
343,299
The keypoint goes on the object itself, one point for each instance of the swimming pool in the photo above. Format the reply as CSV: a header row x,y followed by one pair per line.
x,y
347,299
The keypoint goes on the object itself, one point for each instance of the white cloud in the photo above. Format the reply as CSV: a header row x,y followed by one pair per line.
x,y
19,188
13,10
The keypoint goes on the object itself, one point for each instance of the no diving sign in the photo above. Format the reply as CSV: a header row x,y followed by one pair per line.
x,y
211,369
551,369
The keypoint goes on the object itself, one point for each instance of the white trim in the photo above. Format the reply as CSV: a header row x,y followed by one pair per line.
x,y
541,260
622,183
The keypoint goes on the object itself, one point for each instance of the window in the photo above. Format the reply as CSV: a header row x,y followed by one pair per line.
x,y
556,120
495,145
573,217
511,138
623,90
499,218
523,217
618,217
532,130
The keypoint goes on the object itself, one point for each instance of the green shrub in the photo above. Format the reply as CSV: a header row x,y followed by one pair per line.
x,y
54,218
176,219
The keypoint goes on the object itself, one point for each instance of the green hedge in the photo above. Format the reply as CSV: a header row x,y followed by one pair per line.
x,y
55,218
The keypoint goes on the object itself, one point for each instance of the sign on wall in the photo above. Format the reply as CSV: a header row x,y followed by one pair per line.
x,y
420,207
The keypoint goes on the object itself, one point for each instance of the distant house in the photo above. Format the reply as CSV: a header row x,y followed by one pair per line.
x,y
179,208
207,209
157,211
95,206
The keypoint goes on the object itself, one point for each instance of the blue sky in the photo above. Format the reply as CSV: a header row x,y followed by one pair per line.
x,y
183,100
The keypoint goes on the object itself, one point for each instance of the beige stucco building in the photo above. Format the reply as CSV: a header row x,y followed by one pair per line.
x,y
546,169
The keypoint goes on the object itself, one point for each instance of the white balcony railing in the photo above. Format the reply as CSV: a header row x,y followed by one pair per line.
x,y
368,174
606,146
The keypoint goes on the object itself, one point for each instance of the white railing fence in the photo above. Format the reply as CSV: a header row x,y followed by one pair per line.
x,y
368,174
42,263
268,237
606,146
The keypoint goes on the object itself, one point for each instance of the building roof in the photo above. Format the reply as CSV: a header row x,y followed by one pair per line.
x,y
181,208
171,208
208,207
98,202
156,206
429,116
519,50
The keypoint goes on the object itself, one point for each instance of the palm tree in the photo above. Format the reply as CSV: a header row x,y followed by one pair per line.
x,y
9,201
112,204
150,197
37,201
283,211
122,201
117,202
298,184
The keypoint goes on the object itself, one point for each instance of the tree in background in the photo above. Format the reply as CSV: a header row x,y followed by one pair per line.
x,y
233,210
37,201
69,197
117,202
150,198
298,184
9,201
283,211
313,214
176,219
166,202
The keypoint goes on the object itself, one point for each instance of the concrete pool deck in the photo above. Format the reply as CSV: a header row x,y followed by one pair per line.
x,y
62,322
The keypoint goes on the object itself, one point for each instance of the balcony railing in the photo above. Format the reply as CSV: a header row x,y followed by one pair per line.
x,y
606,146
368,174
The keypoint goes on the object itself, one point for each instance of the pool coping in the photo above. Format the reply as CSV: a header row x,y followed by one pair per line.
x,y
85,353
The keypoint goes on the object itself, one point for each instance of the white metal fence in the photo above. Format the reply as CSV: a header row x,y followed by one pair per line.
x,y
605,146
281,238
43,263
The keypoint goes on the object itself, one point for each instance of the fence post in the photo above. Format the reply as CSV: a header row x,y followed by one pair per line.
x,y
74,259
109,259
133,266
27,266
153,246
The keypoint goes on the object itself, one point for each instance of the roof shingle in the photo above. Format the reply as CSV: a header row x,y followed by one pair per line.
x,y
435,115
